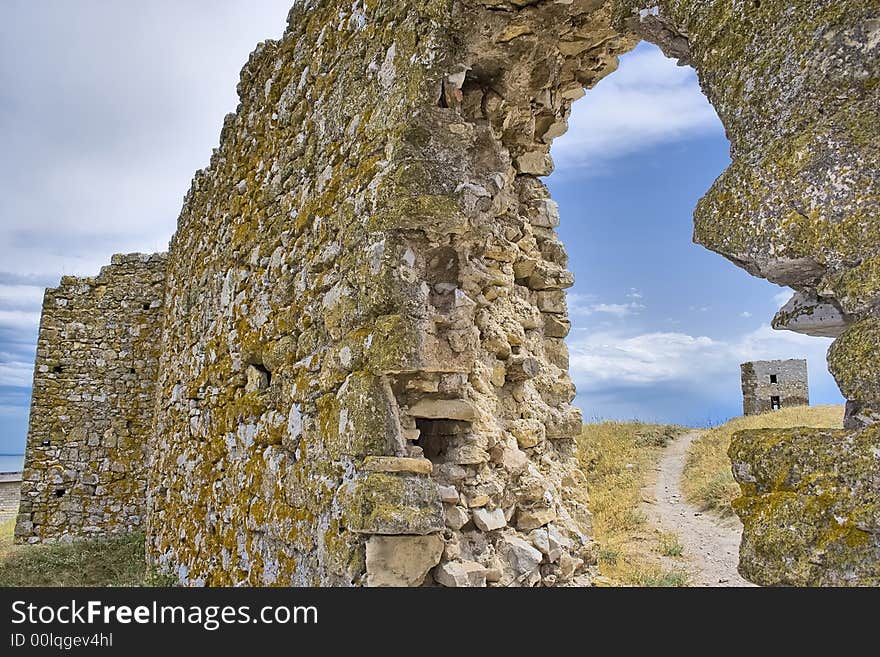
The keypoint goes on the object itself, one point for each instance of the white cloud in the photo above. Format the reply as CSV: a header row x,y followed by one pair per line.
x,y
600,359
583,305
16,374
98,150
20,297
634,293
19,319
617,309
649,101
781,298
745,313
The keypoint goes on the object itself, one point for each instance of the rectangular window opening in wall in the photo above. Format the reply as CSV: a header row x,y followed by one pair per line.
x,y
436,435
774,403
773,379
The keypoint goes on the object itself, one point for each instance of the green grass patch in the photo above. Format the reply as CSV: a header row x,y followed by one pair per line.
x,y
670,546
113,561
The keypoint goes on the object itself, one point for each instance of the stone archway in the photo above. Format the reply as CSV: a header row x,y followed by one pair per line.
x,y
363,375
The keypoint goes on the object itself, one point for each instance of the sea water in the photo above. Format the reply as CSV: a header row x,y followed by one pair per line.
x,y
11,462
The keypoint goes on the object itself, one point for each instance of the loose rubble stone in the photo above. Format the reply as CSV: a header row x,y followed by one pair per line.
x,y
528,519
460,573
456,517
489,520
520,558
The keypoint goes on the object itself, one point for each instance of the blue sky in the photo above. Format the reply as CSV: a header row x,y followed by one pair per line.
x,y
107,109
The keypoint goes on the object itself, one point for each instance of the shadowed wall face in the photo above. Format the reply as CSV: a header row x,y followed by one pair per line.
x,y
93,403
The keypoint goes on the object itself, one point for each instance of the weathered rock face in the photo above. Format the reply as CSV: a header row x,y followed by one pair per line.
x,y
364,335
810,506
92,407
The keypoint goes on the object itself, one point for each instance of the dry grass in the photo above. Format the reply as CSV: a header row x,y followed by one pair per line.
x,y
707,481
6,529
619,459
116,561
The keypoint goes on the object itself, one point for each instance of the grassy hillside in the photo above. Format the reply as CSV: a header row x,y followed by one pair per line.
x,y
619,459
707,481
117,561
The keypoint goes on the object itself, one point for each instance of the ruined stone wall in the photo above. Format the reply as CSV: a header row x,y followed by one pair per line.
x,y
92,406
364,377
364,373
10,494
764,379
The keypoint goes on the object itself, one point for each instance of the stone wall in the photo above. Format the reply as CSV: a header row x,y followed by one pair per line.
x,y
364,358
365,352
764,379
810,506
92,406
363,377
10,493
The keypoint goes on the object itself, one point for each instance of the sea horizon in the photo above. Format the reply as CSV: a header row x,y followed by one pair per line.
x,y
11,462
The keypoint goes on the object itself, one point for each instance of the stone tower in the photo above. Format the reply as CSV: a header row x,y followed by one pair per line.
x,y
773,384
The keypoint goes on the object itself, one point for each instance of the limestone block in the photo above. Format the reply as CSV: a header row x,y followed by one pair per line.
x,y
532,518
519,558
448,494
398,464
444,409
556,326
456,516
528,432
401,560
808,315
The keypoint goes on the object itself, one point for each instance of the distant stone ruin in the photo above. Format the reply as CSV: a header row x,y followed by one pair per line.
x,y
352,369
93,404
768,385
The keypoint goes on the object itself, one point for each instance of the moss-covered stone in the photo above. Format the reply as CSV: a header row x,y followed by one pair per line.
x,y
854,360
810,506
383,503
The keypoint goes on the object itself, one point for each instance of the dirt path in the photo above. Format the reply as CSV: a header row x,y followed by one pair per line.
x,y
711,544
